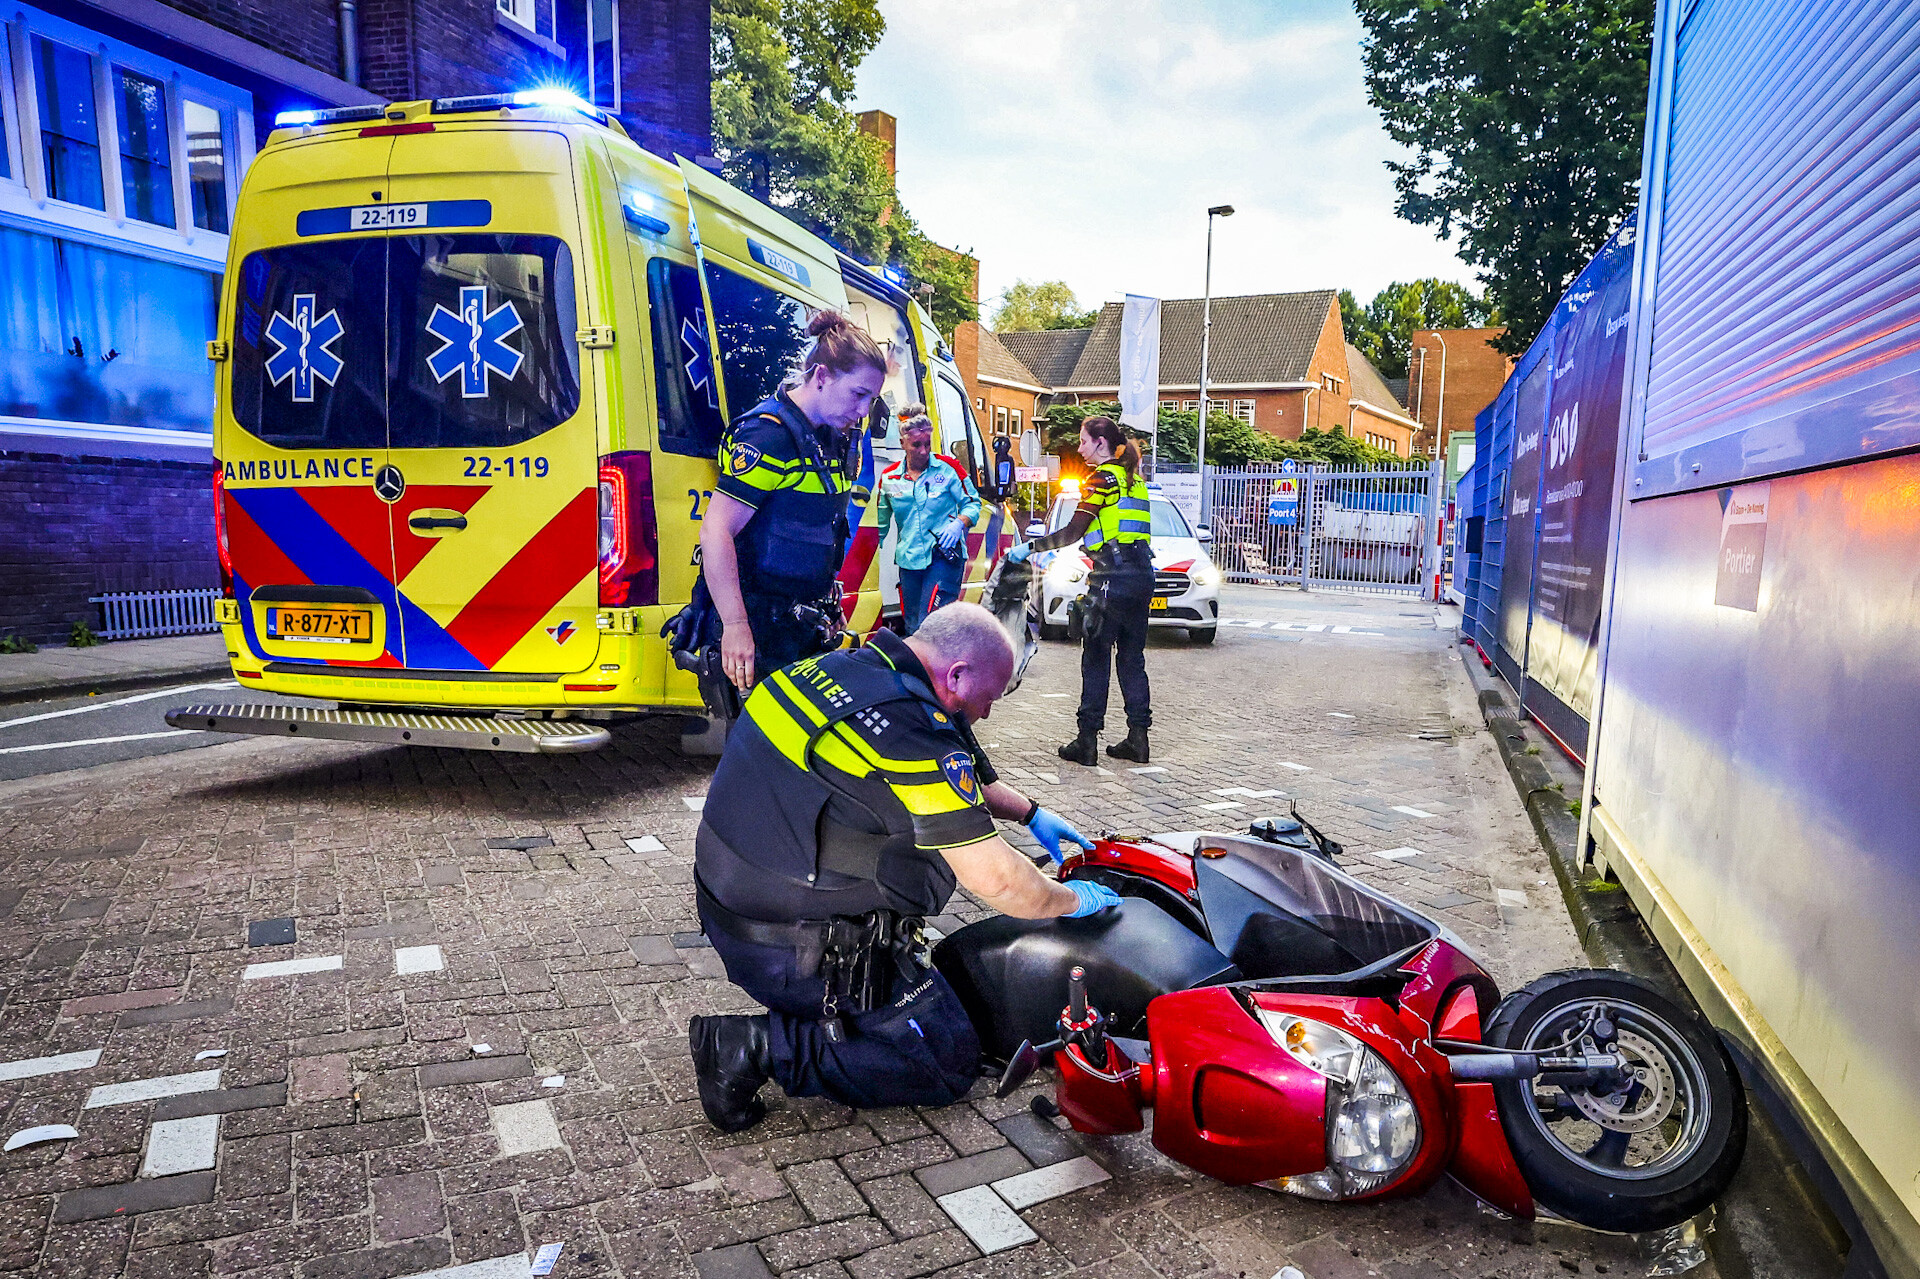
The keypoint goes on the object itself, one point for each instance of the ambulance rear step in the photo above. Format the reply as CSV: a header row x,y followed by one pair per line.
x,y
402,728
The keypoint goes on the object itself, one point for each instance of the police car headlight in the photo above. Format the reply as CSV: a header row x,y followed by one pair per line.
x,y
1206,573
1067,570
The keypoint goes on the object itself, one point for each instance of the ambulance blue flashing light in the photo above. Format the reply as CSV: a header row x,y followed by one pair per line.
x,y
331,115
635,205
894,275
562,99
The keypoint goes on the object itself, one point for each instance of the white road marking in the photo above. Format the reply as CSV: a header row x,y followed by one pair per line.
x,y
118,701
524,1126
181,1145
1411,811
986,1219
1042,1184
1511,897
1056,694
646,844
697,803
1298,768
1397,854
417,959
31,1066
290,967
1338,715
512,1266
1222,806
103,741
1151,768
148,1089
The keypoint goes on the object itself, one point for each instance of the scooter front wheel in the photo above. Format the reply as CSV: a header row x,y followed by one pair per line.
x,y
1642,1154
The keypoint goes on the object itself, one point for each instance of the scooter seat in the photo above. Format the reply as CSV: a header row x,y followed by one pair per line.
x,y
1011,974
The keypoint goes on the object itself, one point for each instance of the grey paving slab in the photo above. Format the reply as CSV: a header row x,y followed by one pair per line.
x,y
474,1070
974,1170
271,932
220,1101
150,1195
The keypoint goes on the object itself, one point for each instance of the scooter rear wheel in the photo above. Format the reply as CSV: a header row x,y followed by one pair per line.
x,y
1642,1158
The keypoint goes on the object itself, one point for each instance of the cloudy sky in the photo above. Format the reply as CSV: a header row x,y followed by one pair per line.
x,y
1084,140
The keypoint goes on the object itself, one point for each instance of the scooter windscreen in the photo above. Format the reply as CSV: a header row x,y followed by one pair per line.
x,y
1005,596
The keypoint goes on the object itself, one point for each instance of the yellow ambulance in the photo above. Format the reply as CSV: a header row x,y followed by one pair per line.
x,y
474,360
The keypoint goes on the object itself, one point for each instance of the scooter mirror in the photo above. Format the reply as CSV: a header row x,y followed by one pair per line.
x,y
1020,1068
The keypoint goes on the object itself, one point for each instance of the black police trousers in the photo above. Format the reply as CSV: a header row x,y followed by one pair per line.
x,y
918,1049
779,639
1128,588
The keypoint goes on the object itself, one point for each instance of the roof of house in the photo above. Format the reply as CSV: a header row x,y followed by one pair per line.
x,y
1264,339
1401,388
1002,365
1365,383
1049,353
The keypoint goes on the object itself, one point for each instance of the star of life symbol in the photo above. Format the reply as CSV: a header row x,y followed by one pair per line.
x,y
304,342
699,363
475,342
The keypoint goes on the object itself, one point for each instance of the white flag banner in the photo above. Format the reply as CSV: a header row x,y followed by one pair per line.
x,y
1140,363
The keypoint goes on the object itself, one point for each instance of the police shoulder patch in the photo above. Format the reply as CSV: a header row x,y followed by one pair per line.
x,y
1102,482
958,768
742,457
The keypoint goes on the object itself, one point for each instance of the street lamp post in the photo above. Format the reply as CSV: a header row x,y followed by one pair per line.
x,y
1206,335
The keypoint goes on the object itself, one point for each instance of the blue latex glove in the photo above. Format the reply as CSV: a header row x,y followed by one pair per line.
x,y
1019,552
1050,828
1094,898
951,533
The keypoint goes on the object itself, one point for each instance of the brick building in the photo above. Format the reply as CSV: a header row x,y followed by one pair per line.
x,y
1277,361
1451,375
125,129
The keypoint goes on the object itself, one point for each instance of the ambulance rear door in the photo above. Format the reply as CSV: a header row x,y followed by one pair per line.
x,y
305,450
491,424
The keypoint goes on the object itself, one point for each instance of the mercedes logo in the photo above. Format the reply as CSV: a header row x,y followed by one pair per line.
x,y
389,483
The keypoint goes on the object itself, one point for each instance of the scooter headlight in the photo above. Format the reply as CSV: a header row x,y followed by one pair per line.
x,y
1373,1128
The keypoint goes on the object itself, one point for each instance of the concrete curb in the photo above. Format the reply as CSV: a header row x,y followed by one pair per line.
x,y
15,692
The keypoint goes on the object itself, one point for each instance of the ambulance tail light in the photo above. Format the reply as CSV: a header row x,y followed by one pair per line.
x,y
221,545
629,532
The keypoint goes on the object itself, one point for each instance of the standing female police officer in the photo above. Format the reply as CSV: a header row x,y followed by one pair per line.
x,y
776,530
1116,522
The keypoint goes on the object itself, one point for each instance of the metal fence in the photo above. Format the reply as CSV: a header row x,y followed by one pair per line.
x,y
1329,527
145,614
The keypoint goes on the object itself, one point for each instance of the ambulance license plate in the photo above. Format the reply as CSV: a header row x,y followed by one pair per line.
x,y
1159,603
321,625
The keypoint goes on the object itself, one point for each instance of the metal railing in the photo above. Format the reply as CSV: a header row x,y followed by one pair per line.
x,y
146,614
1333,527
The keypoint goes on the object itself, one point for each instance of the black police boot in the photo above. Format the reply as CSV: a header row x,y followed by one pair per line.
x,y
730,1059
1081,750
1134,748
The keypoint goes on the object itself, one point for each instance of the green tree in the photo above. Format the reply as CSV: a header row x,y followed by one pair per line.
x,y
1384,328
1050,304
783,71
1526,119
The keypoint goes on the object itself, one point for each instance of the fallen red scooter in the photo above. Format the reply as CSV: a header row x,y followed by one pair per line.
x,y
1293,1027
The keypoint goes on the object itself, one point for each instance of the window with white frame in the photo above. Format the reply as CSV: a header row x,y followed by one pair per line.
x,y
1014,426
517,11
1000,419
117,176
1243,409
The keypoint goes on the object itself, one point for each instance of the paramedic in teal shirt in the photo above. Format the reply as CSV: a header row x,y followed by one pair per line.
x,y
935,504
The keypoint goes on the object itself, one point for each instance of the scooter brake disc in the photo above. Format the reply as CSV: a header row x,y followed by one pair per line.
x,y
1647,1064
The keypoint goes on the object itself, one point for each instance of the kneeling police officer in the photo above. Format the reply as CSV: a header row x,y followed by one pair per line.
x,y
849,801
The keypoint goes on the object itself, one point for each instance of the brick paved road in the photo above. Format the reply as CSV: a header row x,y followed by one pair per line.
x,y
356,1129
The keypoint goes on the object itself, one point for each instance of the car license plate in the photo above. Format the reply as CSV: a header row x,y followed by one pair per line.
x,y
321,625
1159,603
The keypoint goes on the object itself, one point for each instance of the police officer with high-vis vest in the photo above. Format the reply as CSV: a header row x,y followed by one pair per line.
x,y
849,801
1114,520
776,530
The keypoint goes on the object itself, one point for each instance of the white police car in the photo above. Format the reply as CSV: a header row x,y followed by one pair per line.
x,y
1186,581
